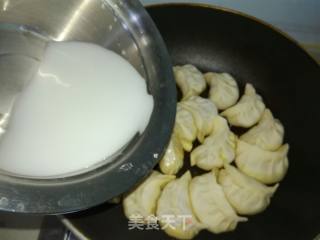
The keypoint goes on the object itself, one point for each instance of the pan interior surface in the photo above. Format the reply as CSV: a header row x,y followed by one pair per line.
x,y
287,78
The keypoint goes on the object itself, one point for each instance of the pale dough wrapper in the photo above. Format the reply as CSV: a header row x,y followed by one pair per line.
x,y
172,160
245,194
268,134
190,80
247,111
217,149
211,206
143,200
174,202
265,166
203,111
224,91
185,128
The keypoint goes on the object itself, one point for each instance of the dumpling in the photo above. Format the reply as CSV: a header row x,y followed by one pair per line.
x,y
172,160
245,194
175,211
247,111
190,80
217,149
203,112
185,128
266,166
143,200
224,91
268,134
211,206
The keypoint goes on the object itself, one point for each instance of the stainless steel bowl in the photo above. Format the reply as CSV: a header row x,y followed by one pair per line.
x,y
122,26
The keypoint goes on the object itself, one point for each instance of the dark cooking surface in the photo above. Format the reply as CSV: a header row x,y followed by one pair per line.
x,y
288,80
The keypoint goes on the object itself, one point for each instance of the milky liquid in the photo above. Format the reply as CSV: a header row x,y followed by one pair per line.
x,y
83,105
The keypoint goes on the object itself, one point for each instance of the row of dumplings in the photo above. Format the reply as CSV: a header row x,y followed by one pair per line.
x,y
259,152
211,201
214,199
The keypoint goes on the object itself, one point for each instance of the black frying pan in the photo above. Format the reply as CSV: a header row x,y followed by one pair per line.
x,y
286,76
